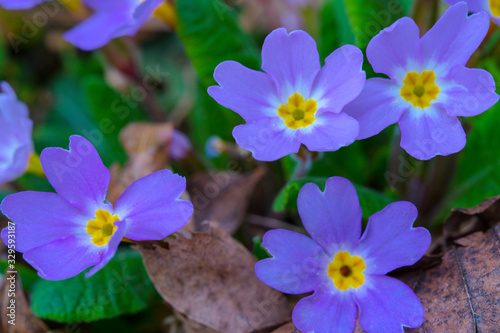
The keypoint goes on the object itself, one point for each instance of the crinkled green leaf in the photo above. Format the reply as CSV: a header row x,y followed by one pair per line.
x,y
121,287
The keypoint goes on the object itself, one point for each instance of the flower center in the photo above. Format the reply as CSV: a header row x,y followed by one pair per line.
x,y
346,271
495,7
298,112
102,228
420,89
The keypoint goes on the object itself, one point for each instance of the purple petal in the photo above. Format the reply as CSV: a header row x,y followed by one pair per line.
x,y
325,311
41,218
110,5
20,4
63,258
97,30
377,107
390,241
455,36
249,93
333,217
395,48
386,305
430,132
110,250
329,132
298,263
474,5
77,175
292,60
473,92
340,80
180,145
267,138
152,208
143,12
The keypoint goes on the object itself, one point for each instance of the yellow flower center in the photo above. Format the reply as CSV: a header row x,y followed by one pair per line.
x,y
346,271
420,89
102,228
298,112
495,7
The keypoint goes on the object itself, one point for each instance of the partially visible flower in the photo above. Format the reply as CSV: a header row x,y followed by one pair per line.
x,y
346,271
180,145
16,143
215,146
295,101
429,85
111,19
64,233
492,7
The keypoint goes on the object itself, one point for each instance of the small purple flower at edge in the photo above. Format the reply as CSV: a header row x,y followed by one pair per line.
x,y
492,7
16,143
111,19
61,234
346,271
295,101
429,85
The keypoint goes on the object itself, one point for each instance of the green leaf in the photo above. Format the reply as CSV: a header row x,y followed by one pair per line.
x,y
371,201
121,287
335,27
210,33
258,250
28,276
368,18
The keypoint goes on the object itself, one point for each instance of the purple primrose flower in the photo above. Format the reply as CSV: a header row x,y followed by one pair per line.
x,y
492,7
295,101
346,271
16,143
429,85
180,146
63,233
111,19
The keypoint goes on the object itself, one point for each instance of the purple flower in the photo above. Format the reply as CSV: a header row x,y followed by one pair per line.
x,y
295,101
180,145
63,233
428,86
346,272
16,144
111,19
492,7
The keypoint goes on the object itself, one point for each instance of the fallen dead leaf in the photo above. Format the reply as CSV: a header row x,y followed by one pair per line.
x,y
25,321
209,278
222,197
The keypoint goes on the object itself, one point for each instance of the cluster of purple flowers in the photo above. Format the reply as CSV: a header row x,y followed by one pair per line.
x,y
294,101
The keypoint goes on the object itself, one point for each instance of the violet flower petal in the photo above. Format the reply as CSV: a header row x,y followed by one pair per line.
x,y
386,305
20,4
473,5
77,175
152,208
340,81
41,218
390,241
297,265
292,60
267,138
425,134
63,258
455,36
109,250
325,311
377,107
472,93
330,132
249,93
333,217
395,48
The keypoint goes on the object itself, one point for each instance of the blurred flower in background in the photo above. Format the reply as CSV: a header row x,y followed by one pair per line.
x,y
180,145
16,143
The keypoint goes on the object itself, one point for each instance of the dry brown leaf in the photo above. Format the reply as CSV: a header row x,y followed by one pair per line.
x,y
25,321
210,279
146,145
222,197
462,293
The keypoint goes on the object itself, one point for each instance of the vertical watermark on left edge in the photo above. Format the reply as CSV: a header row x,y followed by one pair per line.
x,y
10,274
